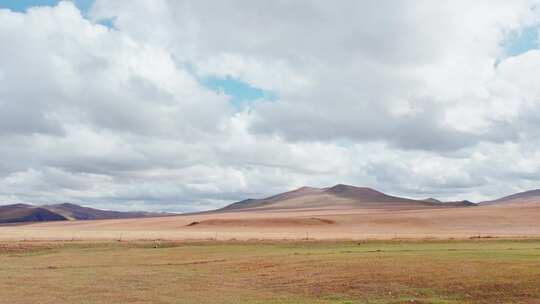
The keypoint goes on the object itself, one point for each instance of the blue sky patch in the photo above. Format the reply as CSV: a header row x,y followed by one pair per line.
x,y
519,42
22,5
241,93
108,22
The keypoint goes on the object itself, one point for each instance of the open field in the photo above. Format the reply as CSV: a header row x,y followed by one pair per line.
x,y
508,220
340,212
473,271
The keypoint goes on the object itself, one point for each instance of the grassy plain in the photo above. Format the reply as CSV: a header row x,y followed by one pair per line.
x,y
454,271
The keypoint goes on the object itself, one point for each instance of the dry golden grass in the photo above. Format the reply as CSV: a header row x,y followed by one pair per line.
x,y
473,271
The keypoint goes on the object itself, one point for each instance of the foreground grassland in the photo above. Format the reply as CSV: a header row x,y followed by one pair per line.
x,y
473,271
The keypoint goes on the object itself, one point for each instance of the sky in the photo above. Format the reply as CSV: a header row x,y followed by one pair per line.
x,y
172,105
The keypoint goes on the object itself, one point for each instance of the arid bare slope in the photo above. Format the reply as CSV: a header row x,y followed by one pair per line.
x,y
27,213
340,212
24,213
531,196
335,198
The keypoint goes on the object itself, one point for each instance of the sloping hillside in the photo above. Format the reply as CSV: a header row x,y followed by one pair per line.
x,y
338,196
19,213
258,203
76,212
531,196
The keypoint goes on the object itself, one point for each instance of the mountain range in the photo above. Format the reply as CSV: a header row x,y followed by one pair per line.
x,y
339,197
531,196
20,213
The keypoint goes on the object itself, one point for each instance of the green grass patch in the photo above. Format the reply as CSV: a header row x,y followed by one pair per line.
x,y
379,272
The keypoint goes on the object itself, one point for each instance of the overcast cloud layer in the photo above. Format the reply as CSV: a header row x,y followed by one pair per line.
x,y
415,98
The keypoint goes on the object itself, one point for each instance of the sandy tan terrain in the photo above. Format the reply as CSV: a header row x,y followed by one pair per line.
x,y
339,212
509,220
